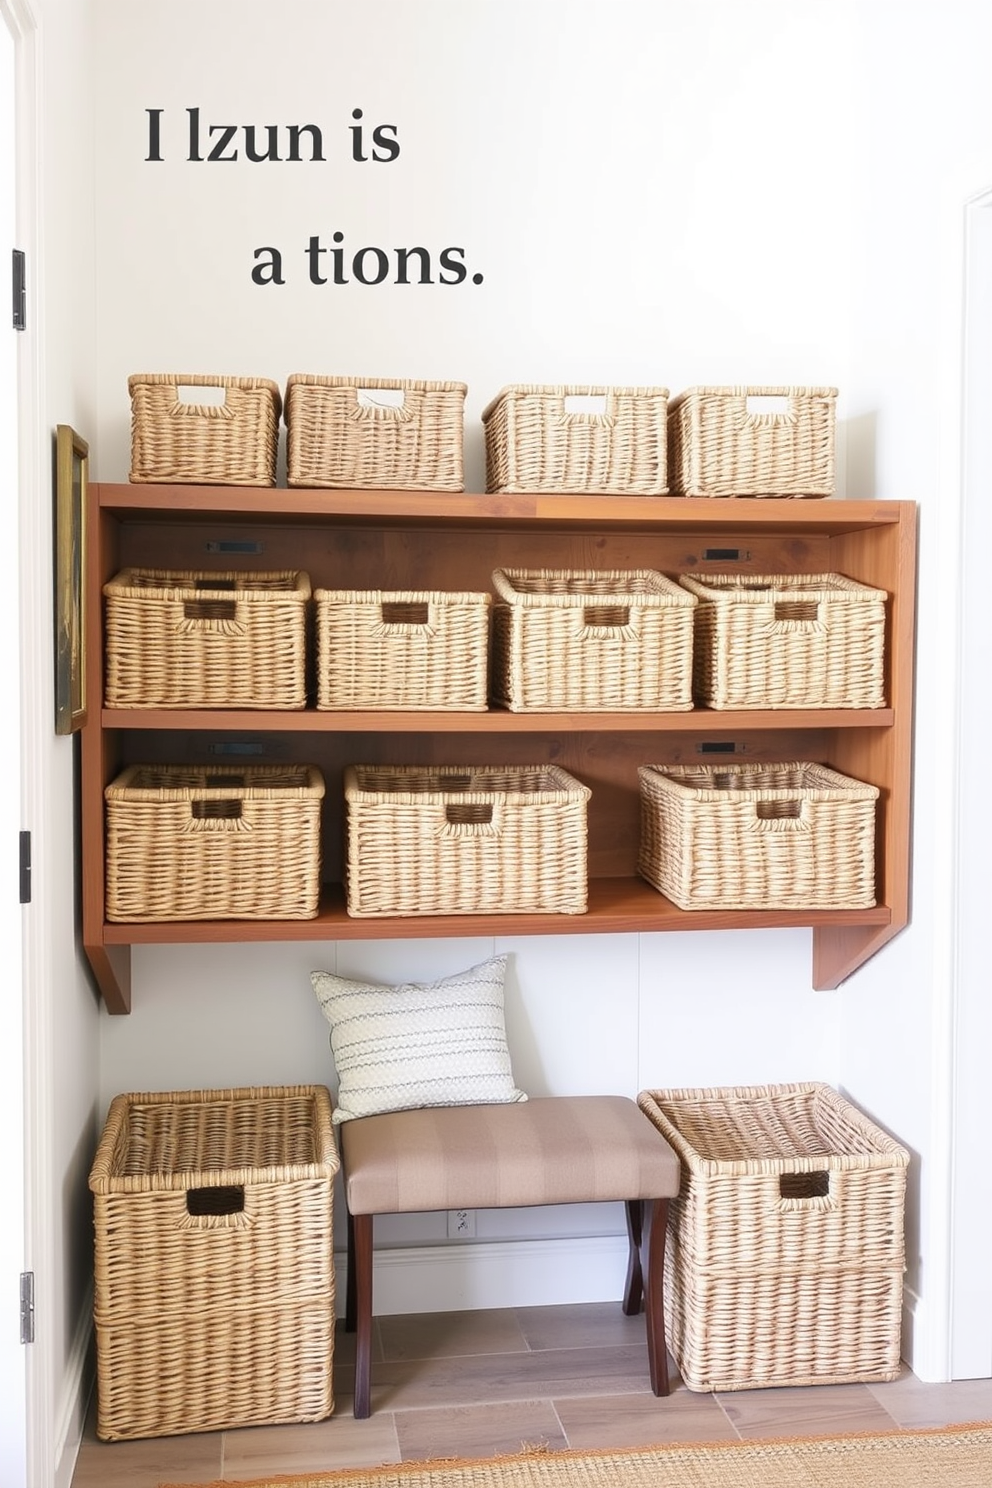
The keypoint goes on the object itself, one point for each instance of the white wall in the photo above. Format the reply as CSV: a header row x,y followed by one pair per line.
x,y
55,212
724,193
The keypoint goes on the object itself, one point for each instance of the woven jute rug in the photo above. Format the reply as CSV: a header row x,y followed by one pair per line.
x,y
955,1457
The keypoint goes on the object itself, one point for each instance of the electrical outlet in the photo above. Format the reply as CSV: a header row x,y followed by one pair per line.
x,y
461,1224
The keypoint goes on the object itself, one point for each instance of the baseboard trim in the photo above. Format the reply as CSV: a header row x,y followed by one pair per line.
x,y
923,1344
77,1383
484,1274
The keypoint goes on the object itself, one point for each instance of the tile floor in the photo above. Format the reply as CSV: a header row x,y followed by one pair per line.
x,y
483,1383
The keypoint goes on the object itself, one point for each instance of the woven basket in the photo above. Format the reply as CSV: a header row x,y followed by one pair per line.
x,y
784,836
786,1250
581,640
175,439
752,441
214,1298
410,649
535,441
206,640
212,843
338,436
788,641
452,839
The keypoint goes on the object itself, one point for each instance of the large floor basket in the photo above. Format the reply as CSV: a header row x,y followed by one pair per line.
x,y
451,839
214,1302
785,1247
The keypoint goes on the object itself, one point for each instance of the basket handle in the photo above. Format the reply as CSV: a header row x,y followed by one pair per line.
x,y
210,609
598,617
805,1191
216,814
472,819
379,405
588,408
219,616
766,407
218,1207
405,617
797,616
608,622
780,816
194,401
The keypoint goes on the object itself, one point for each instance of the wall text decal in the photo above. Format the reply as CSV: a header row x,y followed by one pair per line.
x,y
208,142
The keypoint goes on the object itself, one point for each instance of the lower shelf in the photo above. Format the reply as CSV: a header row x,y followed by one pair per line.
x,y
842,938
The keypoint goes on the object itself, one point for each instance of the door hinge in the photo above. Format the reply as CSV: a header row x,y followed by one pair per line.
x,y
19,291
27,1307
25,867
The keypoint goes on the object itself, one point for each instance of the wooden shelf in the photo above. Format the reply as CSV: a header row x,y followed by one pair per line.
x,y
380,539
702,721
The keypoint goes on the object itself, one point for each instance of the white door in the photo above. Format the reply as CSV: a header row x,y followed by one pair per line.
x,y
13,1395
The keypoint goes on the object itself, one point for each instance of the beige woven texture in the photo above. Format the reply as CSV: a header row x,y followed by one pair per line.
x,y
784,836
337,436
584,640
175,439
410,649
188,639
724,441
212,843
487,839
786,1244
535,443
788,641
214,1271
941,1457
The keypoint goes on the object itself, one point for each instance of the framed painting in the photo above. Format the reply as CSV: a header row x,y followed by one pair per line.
x,y
71,473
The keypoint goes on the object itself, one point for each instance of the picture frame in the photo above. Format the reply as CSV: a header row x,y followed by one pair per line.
x,y
71,484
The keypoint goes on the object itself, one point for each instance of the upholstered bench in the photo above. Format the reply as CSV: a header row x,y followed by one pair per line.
x,y
552,1150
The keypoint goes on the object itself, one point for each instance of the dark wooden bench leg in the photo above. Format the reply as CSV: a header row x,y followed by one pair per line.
x,y
350,1285
634,1286
360,1298
654,1294
646,1225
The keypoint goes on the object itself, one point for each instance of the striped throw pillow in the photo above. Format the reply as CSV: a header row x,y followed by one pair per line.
x,y
437,1043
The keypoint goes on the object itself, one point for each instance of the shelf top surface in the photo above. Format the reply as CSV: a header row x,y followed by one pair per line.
x,y
468,509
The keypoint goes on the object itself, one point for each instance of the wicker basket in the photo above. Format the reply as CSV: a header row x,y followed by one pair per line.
x,y
410,649
535,441
788,641
785,1251
212,843
451,839
206,640
581,640
176,439
214,1301
784,836
752,441
339,436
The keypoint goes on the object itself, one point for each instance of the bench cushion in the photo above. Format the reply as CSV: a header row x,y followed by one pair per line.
x,y
550,1150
